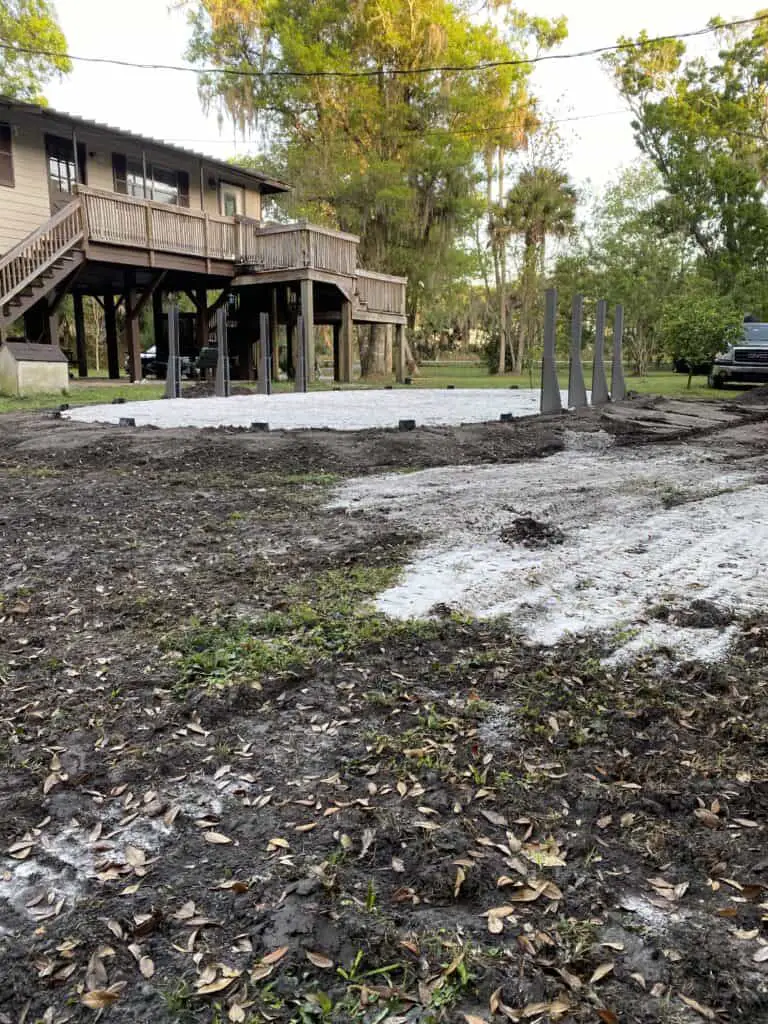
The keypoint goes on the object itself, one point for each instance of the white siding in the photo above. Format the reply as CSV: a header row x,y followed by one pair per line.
x,y
26,206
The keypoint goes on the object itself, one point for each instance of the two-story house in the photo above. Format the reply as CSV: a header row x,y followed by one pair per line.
x,y
87,209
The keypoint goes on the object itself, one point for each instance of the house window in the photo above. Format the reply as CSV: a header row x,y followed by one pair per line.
x,y
6,156
64,171
162,184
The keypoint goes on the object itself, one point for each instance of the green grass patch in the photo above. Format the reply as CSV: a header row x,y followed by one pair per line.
x,y
460,375
330,615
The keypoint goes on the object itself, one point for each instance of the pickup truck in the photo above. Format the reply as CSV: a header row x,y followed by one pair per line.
x,y
745,360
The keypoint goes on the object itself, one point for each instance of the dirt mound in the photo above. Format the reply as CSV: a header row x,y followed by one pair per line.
x,y
753,396
532,533
699,614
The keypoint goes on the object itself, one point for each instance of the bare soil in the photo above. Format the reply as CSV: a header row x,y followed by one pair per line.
x,y
232,791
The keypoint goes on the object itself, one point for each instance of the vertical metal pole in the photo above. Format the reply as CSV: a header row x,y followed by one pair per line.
x,y
307,339
265,356
618,387
173,372
75,160
599,384
550,387
300,357
577,393
223,384
274,355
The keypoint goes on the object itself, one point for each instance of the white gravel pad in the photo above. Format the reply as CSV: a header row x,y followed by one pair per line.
x,y
331,410
642,527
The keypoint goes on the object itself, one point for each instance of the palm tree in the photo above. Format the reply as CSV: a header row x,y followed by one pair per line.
x,y
540,205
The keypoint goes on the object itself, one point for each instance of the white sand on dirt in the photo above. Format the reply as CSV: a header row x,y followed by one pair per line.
x,y
626,548
332,410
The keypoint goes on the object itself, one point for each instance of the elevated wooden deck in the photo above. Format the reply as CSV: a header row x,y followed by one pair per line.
x,y
142,233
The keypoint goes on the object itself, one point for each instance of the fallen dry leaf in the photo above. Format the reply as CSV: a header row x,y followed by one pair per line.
x,y
319,960
147,967
99,998
600,972
608,1017
472,1018
707,817
761,955
274,956
461,876
214,986
217,838
704,1011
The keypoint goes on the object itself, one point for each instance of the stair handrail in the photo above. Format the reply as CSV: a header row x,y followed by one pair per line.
x,y
40,249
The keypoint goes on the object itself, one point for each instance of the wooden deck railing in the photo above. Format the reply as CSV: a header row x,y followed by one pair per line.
x,y
122,220
21,265
289,246
110,219
381,293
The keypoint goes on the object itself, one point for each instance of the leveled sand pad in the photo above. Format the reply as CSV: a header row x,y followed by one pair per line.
x,y
632,540
329,410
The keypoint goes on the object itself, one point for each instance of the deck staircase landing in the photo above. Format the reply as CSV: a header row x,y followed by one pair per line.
x,y
40,262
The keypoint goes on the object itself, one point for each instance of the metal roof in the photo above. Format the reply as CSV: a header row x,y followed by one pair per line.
x,y
32,352
266,183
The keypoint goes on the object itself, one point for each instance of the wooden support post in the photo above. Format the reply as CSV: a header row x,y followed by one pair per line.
x,y
400,369
41,324
308,322
345,343
132,333
202,318
158,324
110,329
337,372
290,349
273,330
80,338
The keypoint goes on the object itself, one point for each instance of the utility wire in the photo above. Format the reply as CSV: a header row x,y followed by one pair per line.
x,y
374,73
429,131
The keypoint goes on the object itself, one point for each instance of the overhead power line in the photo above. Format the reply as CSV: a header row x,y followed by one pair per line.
x,y
428,131
375,72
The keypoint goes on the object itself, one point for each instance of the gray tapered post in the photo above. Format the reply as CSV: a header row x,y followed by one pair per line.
x,y
577,393
265,356
618,387
599,384
173,369
300,358
550,388
223,384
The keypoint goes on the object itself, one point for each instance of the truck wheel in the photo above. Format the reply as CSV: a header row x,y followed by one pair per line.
x,y
715,380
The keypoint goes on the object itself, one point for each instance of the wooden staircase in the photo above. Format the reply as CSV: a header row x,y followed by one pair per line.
x,y
40,263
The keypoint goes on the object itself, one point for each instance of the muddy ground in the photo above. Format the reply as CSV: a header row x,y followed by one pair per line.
x,y
233,791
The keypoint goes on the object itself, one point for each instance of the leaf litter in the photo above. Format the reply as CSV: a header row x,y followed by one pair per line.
x,y
367,824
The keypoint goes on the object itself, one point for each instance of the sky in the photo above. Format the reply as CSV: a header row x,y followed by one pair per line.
x,y
165,105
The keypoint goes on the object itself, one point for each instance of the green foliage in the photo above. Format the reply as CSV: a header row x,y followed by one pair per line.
x,y
330,615
30,24
390,156
698,325
625,256
703,125
541,204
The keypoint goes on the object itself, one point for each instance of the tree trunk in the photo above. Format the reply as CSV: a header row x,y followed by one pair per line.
x,y
373,351
527,334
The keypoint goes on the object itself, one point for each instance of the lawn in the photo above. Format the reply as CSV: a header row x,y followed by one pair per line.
x,y
469,375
